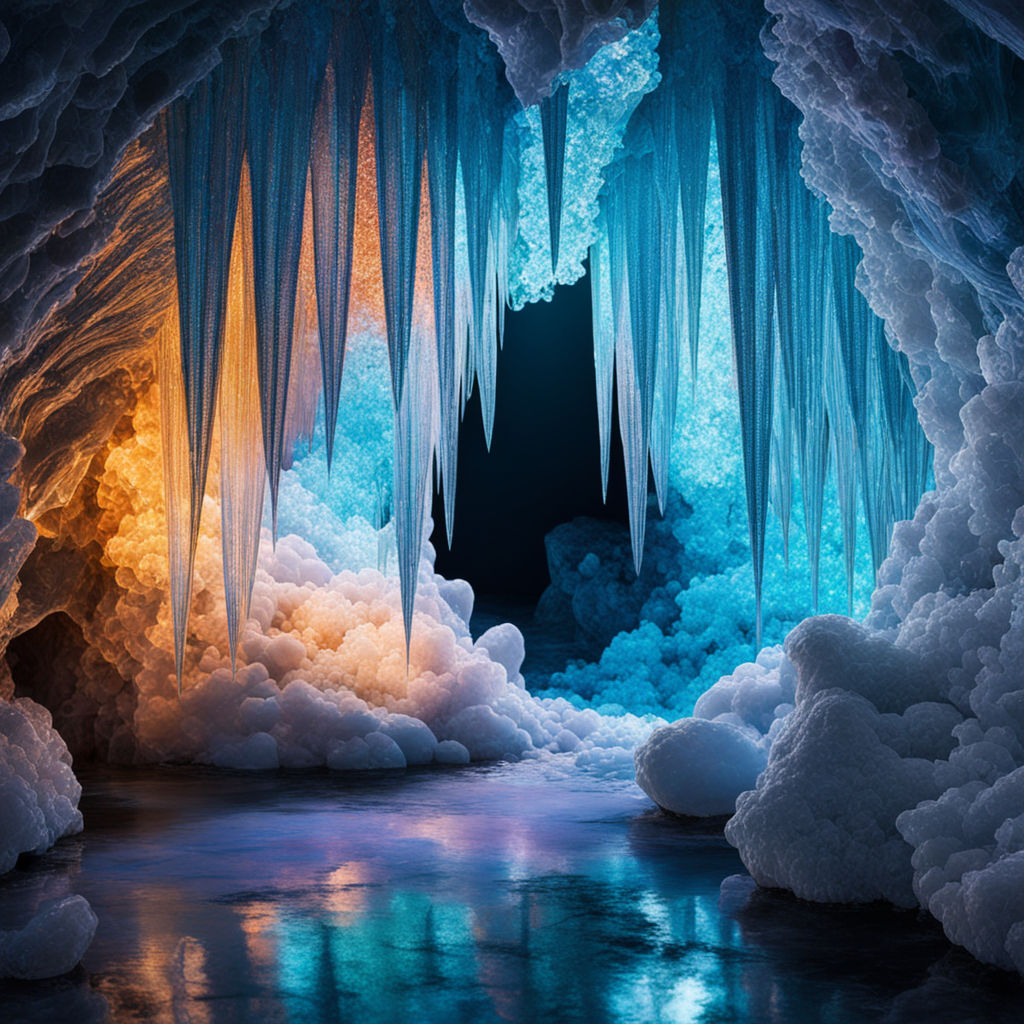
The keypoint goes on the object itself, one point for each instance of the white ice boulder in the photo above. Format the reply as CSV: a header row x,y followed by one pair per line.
x,y
698,768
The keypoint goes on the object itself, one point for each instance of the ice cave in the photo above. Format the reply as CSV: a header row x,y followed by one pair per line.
x,y
512,510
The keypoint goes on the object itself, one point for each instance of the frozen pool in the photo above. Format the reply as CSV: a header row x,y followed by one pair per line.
x,y
509,892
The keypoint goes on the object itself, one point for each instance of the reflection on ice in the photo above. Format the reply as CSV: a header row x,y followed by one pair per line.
x,y
503,893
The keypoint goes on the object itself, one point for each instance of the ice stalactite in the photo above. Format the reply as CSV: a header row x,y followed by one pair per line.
x,y
399,116
627,383
481,118
284,79
843,433
683,144
177,481
305,367
744,122
416,431
801,263
442,178
334,168
604,350
205,145
892,456
554,111
242,467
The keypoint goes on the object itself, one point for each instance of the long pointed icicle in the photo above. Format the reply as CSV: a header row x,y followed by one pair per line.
x,y
284,78
844,443
685,51
442,170
554,115
666,185
604,350
481,121
416,431
334,167
398,111
205,144
629,395
177,481
742,118
305,371
242,468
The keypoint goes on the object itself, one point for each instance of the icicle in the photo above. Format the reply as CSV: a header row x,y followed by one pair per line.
x,y
508,213
205,143
743,121
554,113
685,52
334,168
858,348
416,431
801,262
782,468
442,170
844,443
284,77
481,122
305,373
242,467
398,111
629,397
665,169
604,348
177,481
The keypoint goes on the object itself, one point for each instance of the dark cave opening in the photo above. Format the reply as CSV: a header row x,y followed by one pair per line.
x,y
543,467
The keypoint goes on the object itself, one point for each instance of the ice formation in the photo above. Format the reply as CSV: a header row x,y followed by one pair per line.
x,y
321,675
39,805
38,791
908,122
896,776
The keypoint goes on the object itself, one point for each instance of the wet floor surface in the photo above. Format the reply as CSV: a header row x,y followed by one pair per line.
x,y
503,893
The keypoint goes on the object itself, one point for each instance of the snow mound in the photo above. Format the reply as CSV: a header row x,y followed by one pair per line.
x,y
38,791
696,767
51,944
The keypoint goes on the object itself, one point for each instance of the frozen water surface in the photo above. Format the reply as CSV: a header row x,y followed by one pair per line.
x,y
507,892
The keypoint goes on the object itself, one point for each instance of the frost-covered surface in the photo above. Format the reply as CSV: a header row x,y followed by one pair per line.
x,y
38,791
51,944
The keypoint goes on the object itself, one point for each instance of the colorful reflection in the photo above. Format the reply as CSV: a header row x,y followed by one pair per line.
x,y
509,893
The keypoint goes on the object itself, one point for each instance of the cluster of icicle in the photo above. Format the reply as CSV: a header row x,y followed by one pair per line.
x,y
815,374
269,166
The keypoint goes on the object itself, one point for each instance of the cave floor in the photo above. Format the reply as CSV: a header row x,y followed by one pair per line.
x,y
506,892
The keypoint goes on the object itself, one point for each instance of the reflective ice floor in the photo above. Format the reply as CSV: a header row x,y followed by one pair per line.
x,y
504,893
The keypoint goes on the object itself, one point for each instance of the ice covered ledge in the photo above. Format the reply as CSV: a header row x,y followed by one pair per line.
x,y
873,788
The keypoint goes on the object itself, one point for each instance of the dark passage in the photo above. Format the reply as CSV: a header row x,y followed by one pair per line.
x,y
544,464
